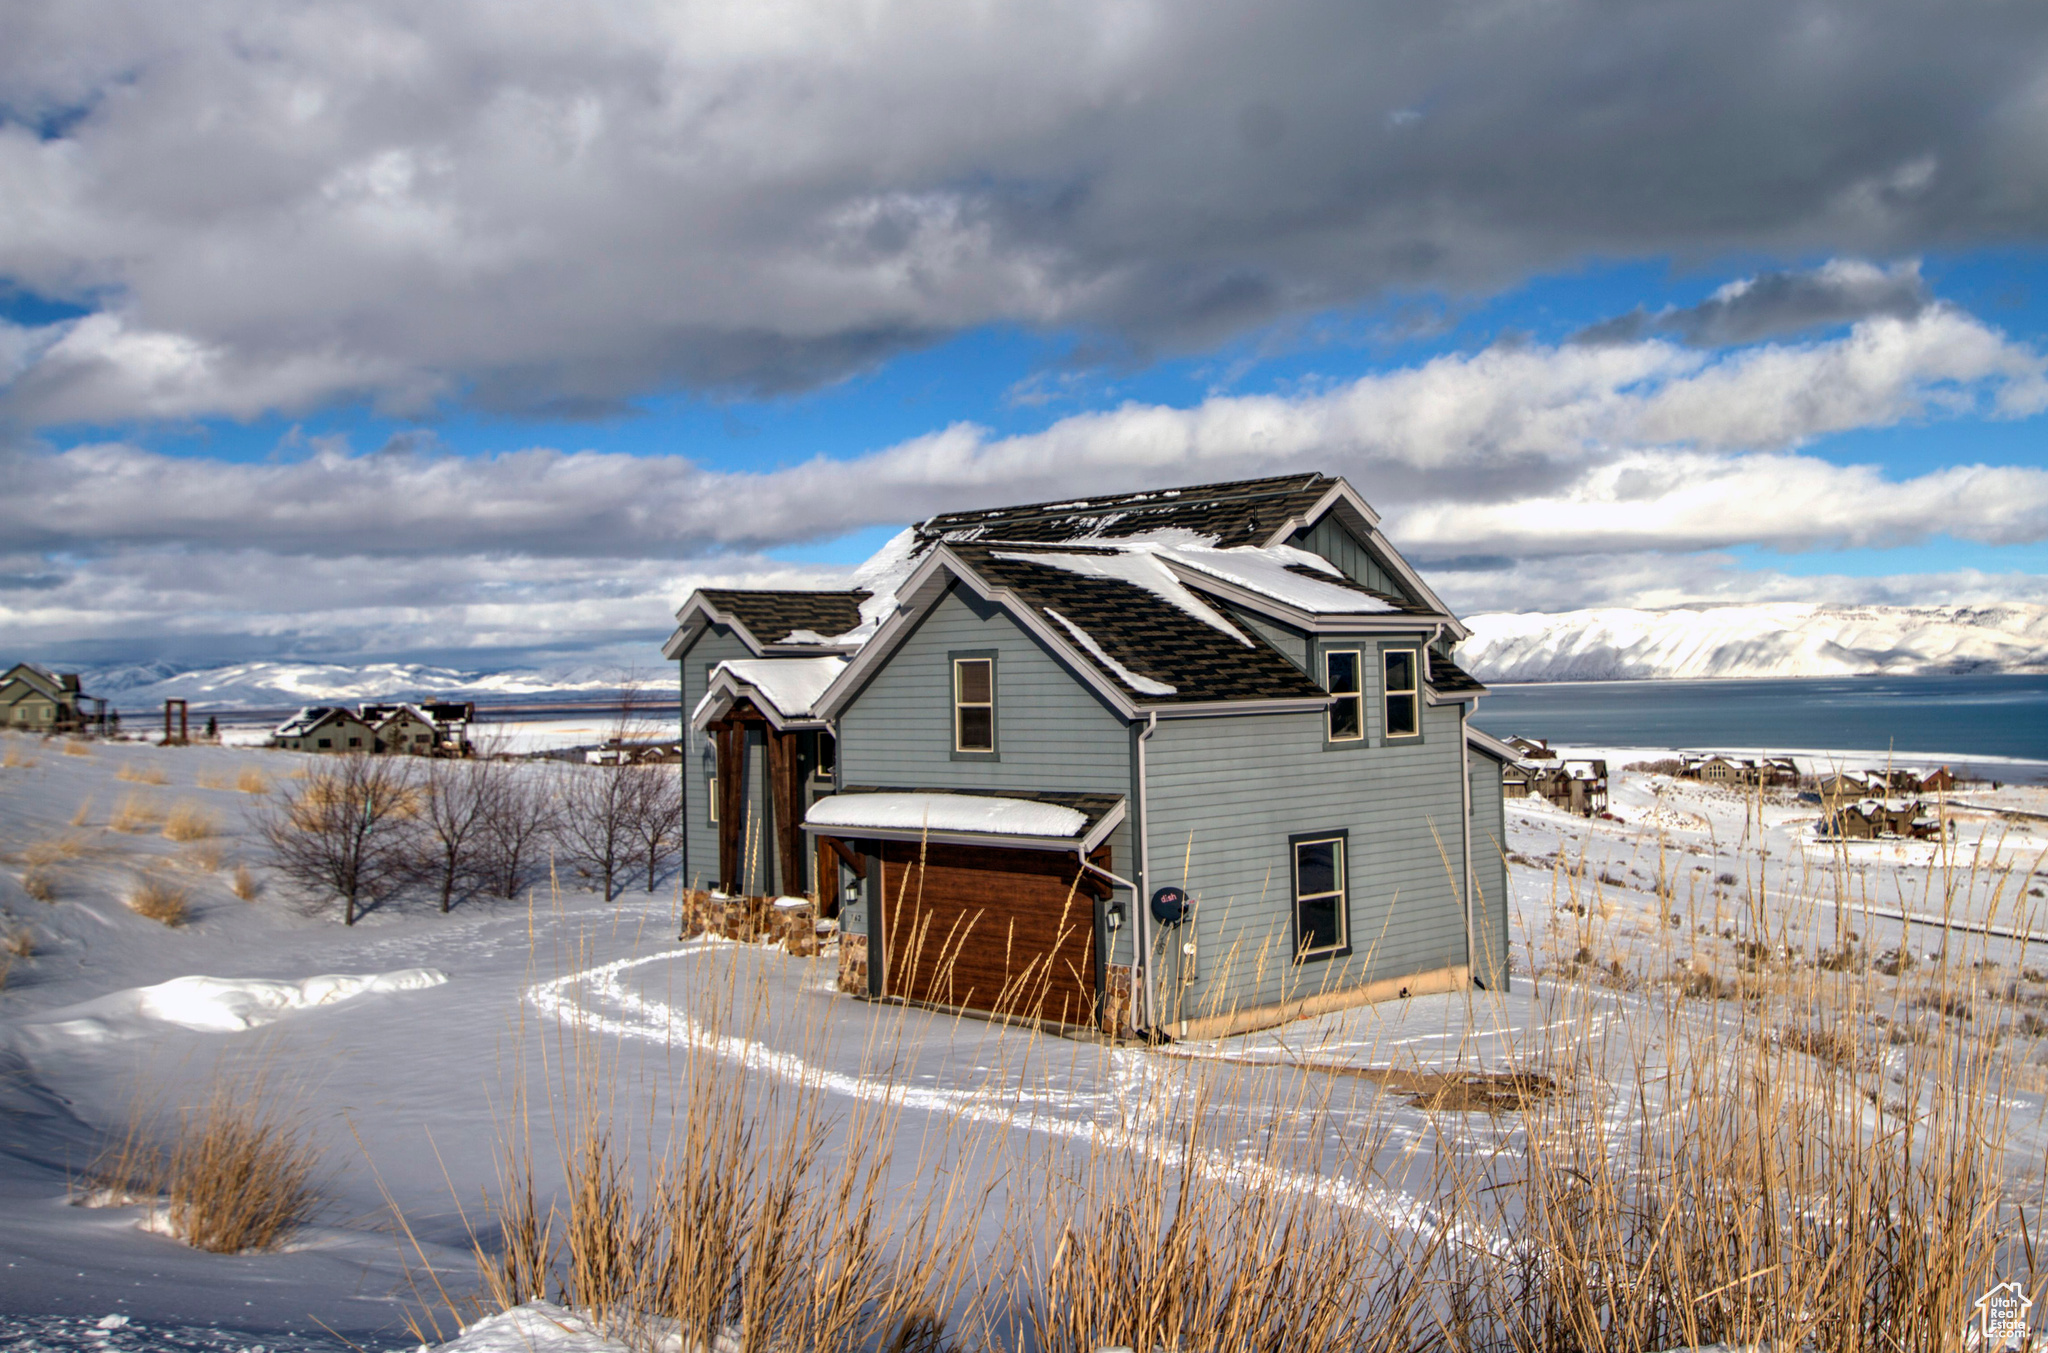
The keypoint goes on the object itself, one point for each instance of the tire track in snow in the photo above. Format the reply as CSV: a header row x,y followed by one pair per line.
x,y
573,999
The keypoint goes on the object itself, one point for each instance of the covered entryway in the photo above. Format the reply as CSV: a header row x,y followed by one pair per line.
x,y
1011,932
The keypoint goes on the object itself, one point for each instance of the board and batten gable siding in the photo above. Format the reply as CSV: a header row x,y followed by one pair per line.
x,y
1052,731
1293,644
1224,797
1489,874
716,644
1329,539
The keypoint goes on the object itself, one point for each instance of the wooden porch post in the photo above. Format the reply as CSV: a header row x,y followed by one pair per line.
x,y
785,794
732,760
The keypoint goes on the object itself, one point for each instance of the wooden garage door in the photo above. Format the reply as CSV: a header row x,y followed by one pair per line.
x,y
1007,931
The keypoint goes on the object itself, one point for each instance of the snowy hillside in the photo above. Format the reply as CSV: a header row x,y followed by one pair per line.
x,y
1785,639
276,684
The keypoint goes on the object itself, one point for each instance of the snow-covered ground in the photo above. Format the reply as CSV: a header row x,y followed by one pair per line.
x,y
402,1041
1777,639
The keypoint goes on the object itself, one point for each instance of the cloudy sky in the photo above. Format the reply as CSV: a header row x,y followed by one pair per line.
x,y
481,331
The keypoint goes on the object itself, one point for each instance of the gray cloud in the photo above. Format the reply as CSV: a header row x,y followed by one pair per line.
x,y
1774,304
544,209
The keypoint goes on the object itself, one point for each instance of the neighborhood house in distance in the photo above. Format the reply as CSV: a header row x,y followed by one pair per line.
x,y
35,699
437,729
1182,762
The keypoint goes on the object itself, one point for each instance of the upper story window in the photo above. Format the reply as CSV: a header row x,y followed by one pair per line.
x,y
828,755
974,704
1402,694
1341,670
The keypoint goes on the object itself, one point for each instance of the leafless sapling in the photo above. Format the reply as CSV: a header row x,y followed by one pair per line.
x,y
347,831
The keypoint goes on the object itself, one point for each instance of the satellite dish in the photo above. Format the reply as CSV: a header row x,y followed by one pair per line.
x,y
1169,905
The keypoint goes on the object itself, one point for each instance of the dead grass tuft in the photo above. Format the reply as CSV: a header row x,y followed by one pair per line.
x,y
158,899
238,1176
206,857
77,747
83,813
20,943
213,779
16,759
252,781
188,821
40,884
136,814
135,772
53,849
244,884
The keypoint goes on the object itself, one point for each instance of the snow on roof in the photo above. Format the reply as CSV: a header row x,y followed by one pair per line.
x,y
899,811
1143,685
1140,568
306,720
792,685
1281,572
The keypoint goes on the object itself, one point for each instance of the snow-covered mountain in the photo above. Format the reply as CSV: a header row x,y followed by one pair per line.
x,y
1779,639
264,685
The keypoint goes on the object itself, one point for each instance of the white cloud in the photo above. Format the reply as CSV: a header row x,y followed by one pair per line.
x,y
557,207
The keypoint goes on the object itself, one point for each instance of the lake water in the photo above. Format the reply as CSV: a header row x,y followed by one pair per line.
x,y
1959,716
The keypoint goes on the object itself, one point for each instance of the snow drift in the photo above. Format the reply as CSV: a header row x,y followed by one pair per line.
x,y
1785,639
223,1004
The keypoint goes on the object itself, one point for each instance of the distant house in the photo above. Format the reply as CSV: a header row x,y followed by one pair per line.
x,y
1531,749
1871,819
35,699
1724,770
325,728
1940,781
1579,786
618,752
1517,779
400,729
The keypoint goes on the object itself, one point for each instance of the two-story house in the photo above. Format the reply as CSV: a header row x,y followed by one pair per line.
x,y
1187,760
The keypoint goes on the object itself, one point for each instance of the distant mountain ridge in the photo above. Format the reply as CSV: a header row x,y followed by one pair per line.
x,y
268,685
1776,639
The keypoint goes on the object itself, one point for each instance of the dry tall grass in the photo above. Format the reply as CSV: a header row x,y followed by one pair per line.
x,y
244,884
141,773
206,856
189,821
40,884
16,759
238,1174
49,850
20,943
83,813
159,899
252,781
136,813
77,747
213,779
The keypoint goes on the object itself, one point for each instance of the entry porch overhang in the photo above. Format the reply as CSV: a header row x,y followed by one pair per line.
x,y
1011,819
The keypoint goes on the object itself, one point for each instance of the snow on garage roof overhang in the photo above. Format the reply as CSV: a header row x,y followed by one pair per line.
x,y
1019,820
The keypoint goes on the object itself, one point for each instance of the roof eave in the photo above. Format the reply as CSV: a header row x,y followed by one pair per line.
x,y
1336,622
1211,709
1084,844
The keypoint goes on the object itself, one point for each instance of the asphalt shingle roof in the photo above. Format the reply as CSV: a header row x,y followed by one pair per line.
x,y
1145,633
1447,678
1240,512
772,617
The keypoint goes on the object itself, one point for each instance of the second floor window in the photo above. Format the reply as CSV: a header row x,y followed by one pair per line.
x,y
1340,678
974,704
1403,715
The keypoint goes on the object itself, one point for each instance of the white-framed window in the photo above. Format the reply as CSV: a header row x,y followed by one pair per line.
x,y
828,755
974,704
711,798
1403,698
1342,678
1322,920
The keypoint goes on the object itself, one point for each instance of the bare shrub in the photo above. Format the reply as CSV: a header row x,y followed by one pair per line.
x,y
77,747
347,833
596,827
518,822
244,884
455,808
50,850
40,884
158,899
189,821
252,781
136,813
136,772
206,856
238,1174
657,816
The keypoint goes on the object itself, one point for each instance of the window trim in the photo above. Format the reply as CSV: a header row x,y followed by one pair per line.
x,y
1342,836
1357,697
993,752
711,799
1413,693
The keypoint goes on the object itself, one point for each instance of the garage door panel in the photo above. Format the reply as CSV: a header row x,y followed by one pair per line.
x,y
1005,931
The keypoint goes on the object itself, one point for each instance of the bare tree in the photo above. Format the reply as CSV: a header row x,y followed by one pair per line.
x,y
519,815
348,831
657,814
454,812
596,829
